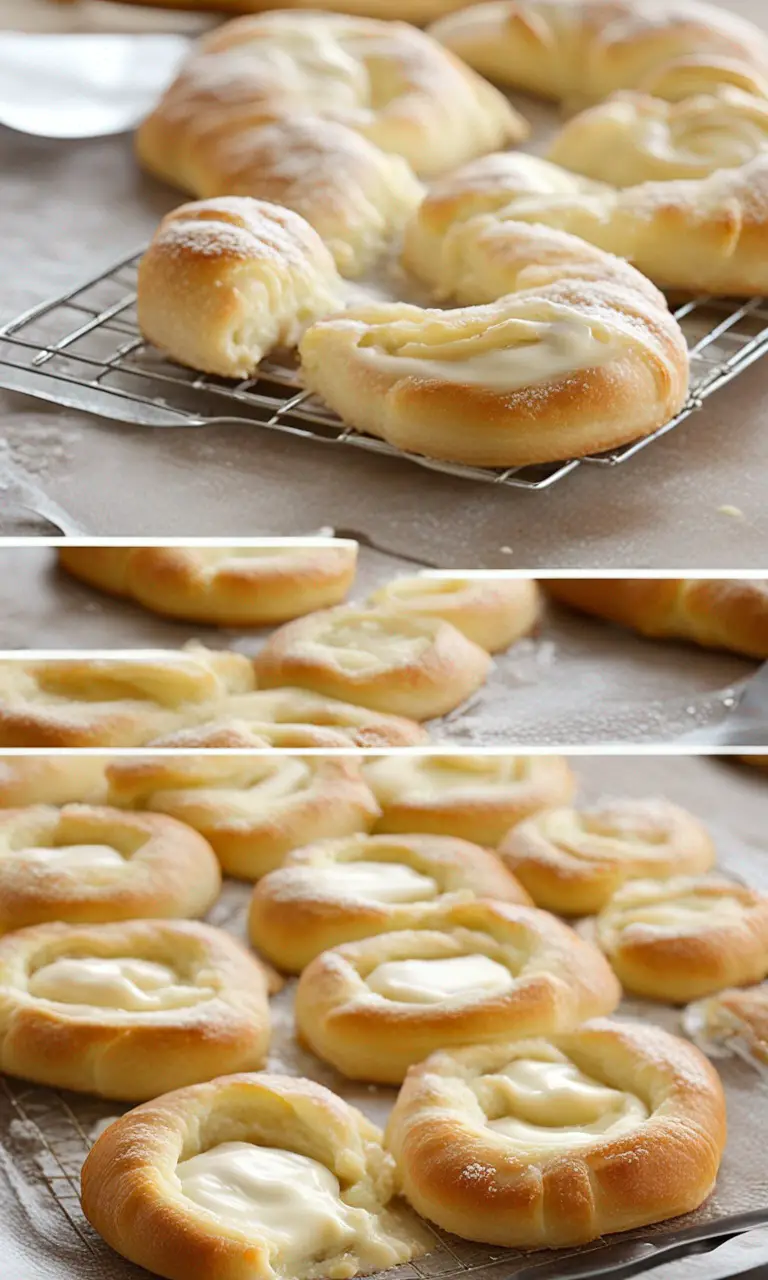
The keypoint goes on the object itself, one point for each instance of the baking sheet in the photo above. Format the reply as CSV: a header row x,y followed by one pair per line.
x,y
695,499
577,681
45,1135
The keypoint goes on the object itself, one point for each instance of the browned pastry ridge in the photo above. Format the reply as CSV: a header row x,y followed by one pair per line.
x,y
719,613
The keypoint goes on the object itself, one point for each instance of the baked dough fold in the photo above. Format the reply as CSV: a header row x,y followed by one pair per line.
x,y
131,1009
471,972
337,891
545,1144
86,865
260,1176
252,810
686,937
492,612
236,586
573,860
476,798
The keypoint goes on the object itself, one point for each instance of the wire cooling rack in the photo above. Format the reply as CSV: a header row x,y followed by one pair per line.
x,y
83,350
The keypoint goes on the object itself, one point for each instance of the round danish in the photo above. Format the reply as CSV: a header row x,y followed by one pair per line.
x,y
30,779
250,586
86,865
583,50
719,613
403,664
327,114
339,891
226,281
129,1010
683,938
471,973
557,349
252,810
690,234
573,860
123,700
738,1013
249,1175
475,798
493,612
294,718
545,1144
634,137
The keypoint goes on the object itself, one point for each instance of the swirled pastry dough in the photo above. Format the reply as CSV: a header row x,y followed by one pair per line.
x,y
686,937
634,137
573,860
338,891
694,234
125,700
126,1010
225,281
86,865
493,612
236,586
547,1143
409,665
584,50
30,779
476,798
253,810
326,114
471,972
257,1174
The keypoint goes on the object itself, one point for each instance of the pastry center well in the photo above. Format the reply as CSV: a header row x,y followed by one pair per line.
x,y
432,981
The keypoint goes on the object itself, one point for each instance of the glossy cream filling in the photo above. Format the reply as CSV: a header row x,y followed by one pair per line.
x,y
687,914
252,798
552,1106
380,881
288,1200
610,835
507,355
72,855
368,644
466,775
141,986
432,981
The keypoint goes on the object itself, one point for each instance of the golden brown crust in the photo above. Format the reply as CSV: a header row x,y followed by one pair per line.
x,y
252,810
461,1175
411,666
132,1196
587,49
296,913
573,860
605,362
475,798
123,700
720,613
684,938
128,1055
326,115
492,612
29,779
234,586
166,869
558,981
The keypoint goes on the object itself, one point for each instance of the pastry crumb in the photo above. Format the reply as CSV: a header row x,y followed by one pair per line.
x,y
728,510
506,551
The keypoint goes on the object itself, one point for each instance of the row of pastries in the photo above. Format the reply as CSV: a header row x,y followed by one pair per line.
x,y
429,957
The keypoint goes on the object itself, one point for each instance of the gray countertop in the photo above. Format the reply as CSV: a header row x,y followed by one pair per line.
x,y
68,210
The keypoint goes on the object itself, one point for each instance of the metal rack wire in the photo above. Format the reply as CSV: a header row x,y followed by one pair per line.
x,y
83,350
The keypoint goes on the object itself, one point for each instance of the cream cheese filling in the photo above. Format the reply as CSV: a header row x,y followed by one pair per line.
x,y
687,914
289,1200
432,981
141,986
72,855
552,1106
369,644
380,881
